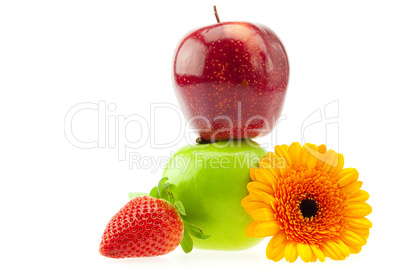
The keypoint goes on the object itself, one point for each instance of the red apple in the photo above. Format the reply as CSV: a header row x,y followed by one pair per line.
x,y
230,79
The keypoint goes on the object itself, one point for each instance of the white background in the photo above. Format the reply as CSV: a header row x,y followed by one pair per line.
x,y
56,198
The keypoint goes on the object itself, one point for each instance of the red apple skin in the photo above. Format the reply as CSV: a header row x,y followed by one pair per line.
x,y
230,79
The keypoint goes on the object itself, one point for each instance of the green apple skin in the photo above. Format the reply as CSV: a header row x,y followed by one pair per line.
x,y
211,180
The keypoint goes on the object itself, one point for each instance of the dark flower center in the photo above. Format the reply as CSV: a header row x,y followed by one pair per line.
x,y
308,208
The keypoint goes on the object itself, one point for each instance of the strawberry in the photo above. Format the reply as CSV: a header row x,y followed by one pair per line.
x,y
149,226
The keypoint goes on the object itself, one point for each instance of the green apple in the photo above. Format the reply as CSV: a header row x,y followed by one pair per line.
x,y
211,180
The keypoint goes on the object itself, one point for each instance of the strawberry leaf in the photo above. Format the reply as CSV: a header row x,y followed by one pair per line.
x,y
162,192
187,242
154,192
133,195
166,185
195,231
180,207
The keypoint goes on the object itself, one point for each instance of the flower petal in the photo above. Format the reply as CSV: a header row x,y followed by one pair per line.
x,y
334,162
265,229
318,253
290,252
354,249
246,200
282,151
347,176
363,232
350,238
260,196
256,196
263,214
314,258
252,173
328,251
309,155
359,196
259,186
352,187
358,209
322,148
295,152
342,247
360,223
335,248
275,253
250,229
264,176
279,254
279,238
269,199
305,252
264,163
272,161
252,206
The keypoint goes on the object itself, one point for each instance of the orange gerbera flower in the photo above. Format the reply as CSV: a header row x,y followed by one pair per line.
x,y
310,204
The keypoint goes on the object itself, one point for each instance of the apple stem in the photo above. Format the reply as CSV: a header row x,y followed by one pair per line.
x,y
200,140
216,15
